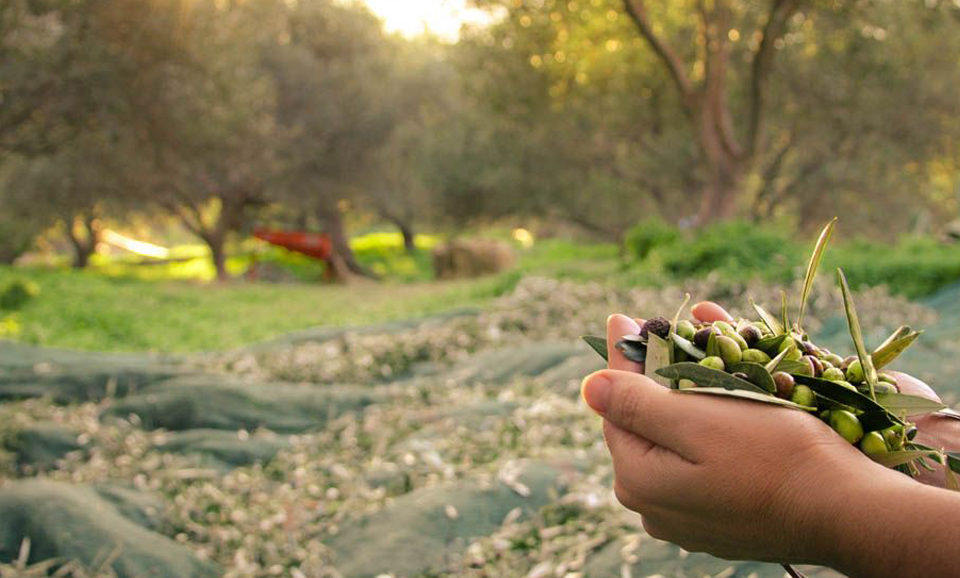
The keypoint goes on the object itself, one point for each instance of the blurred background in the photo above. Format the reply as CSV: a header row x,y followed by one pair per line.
x,y
294,287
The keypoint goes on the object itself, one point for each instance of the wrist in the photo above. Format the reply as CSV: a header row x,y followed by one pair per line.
x,y
852,514
864,533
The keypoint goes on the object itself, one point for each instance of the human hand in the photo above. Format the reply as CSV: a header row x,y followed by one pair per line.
x,y
733,478
933,430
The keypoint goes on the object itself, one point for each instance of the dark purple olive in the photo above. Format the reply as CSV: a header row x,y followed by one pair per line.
x,y
750,334
785,384
701,337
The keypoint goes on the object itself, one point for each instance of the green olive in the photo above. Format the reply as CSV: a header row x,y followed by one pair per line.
x,y
803,395
786,344
793,355
724,327
807,368
855,372
883,387
846,384
730,350
834,374
834,359
713,362
756,356
686,330
873,444
893,435
847,425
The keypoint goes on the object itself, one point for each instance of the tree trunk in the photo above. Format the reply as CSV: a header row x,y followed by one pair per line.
x,y
84,244
724,167
409,238
218,254
332,222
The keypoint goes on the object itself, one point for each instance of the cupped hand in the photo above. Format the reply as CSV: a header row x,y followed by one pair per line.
x,y
736,479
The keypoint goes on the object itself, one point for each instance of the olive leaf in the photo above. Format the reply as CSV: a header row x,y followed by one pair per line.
x,y
598,344
875,420
707,377
840,394
772,343
950,413
749,395
793,367
784,310
952,483
633,350
903,404
687,347
659,355
901,457
676,318
774,363
896,344
953,461
769,320
812,267
713,350
757,374
869,371
949,459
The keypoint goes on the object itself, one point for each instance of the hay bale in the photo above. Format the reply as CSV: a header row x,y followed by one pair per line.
x,y
461,259
70,522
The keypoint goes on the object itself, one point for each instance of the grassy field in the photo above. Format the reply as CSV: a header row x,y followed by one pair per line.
x,y
86,310
121,305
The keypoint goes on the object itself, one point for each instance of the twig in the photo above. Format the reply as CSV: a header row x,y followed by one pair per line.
x,y
793,572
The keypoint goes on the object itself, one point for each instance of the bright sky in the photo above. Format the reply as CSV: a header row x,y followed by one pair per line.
x,y
412,17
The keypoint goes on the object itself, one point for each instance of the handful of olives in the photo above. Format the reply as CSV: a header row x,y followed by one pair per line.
x,y
749,357
771,360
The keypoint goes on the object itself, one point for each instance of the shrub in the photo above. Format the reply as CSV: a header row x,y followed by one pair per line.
x,y
914,267
16,294
648,235
738,250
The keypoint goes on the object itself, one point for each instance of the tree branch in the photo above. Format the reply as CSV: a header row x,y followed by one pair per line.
x,y
638,12
780,13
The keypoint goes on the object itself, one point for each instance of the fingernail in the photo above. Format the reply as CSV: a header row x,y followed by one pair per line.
x,y
595,391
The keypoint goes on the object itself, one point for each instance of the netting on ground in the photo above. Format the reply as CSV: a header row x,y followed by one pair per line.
x,y
469,455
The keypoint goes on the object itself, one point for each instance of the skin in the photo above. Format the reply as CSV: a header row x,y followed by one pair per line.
x,y
743,480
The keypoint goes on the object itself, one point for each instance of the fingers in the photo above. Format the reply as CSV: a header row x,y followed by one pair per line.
x,y
618,326
643,470
913,386
709,311
637,404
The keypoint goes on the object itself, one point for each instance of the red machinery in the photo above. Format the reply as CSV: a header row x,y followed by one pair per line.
x,y
314,245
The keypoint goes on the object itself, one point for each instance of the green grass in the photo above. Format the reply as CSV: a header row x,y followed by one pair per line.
x,y
120,305
86,310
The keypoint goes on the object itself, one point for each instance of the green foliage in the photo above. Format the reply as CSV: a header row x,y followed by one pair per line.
x,y
385,255
913,267
17,293
648,235
736,250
